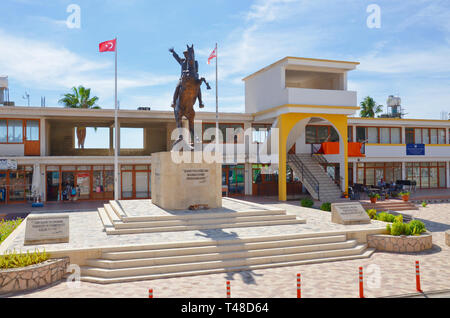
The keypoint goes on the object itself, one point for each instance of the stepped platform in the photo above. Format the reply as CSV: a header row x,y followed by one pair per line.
x,y
135,240
389,205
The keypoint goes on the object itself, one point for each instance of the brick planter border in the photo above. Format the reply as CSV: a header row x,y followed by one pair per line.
x,y
32,277
447,237
400,244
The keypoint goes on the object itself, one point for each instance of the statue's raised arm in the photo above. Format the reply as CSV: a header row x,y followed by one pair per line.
x,y
175,55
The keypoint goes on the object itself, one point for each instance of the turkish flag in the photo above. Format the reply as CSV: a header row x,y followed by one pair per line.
x,y
108,46
213,55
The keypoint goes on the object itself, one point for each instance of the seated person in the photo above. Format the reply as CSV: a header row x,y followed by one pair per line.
x,y
381,183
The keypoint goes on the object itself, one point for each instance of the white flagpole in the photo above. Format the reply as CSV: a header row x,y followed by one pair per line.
x,y
217,103
116,143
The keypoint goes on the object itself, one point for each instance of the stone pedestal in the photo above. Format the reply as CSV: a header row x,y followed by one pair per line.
x,y
179,185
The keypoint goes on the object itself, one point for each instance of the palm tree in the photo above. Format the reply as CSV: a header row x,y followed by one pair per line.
x,y
369,107
80,98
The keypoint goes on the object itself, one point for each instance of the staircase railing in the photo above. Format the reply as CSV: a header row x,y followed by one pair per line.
x,y
322,161
305,173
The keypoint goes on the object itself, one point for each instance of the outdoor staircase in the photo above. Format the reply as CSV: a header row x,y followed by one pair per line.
x,y
136,263
318,183
176,258
116,222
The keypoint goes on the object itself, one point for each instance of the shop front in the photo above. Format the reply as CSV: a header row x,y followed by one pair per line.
x,y
91,182
16,184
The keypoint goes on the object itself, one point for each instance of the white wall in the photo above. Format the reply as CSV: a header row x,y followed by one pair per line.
x,y
12,150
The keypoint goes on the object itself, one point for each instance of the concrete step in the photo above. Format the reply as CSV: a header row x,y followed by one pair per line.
x,y
104,218
265,242
227,263
217,256
113,231
200,222
101,280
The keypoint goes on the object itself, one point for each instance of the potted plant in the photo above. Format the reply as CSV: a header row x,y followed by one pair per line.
x,y
405,196
373,197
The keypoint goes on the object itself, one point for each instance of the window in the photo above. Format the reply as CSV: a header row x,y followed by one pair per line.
x,y
372,135
3,131
425,136
32,130
97,138
349,133
427,174
15,131
260,133
379,135
320,134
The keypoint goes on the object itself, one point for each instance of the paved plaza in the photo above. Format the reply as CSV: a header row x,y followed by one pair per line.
x,y
386,274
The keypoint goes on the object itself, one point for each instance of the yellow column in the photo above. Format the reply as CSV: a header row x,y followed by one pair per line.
x,y
282,152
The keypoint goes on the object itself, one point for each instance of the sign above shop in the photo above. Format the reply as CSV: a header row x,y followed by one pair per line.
x,y
8,164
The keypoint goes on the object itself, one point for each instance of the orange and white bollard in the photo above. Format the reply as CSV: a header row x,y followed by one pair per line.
x,y
228,289
418,277
361,283
150,293
299,286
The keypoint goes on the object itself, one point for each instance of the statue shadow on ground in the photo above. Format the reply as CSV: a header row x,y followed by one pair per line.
x,y
248,276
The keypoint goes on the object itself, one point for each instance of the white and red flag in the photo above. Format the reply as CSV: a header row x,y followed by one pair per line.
x,y
108,46
213,55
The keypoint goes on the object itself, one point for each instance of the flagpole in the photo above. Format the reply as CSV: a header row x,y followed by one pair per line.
x,y
217,102
116,143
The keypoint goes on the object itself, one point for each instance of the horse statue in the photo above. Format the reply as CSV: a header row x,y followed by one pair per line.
x,y
187,92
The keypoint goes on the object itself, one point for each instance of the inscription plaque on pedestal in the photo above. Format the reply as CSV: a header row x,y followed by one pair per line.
x,y
178,186
349,213
47,229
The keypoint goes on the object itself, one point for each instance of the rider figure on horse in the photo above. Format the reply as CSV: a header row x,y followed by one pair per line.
x,y
185,70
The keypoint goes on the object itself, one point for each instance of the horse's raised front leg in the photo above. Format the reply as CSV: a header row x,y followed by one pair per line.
x,y
207,84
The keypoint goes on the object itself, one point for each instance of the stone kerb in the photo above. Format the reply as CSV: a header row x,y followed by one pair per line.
x,y
447,237
400,244
32,277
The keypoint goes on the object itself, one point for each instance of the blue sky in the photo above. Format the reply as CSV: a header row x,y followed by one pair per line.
x,y
408,55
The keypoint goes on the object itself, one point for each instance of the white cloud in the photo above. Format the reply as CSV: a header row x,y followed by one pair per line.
x,y
43,65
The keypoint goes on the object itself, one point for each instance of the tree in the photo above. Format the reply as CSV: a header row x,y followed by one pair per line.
x,y
369,107
80,98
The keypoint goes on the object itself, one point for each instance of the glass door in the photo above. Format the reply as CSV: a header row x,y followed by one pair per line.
x,y
127,184
142,185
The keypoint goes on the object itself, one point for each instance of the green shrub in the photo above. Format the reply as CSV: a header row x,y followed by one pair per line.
x,y
417,227
398,218
386,217
372,214
307,203
398,229
326,207
424,204
374,195
15,260
388,228
7,227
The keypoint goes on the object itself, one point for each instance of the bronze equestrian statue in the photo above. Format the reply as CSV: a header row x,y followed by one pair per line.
x,y
187,90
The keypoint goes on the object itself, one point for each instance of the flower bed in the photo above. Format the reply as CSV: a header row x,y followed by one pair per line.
x,y
400,244
32,277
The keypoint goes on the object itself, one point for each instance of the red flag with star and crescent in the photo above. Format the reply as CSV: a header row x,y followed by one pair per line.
x,y
108,46
213,55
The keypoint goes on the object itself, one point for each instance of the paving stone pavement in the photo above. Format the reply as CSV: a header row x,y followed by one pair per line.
x,y
386,274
